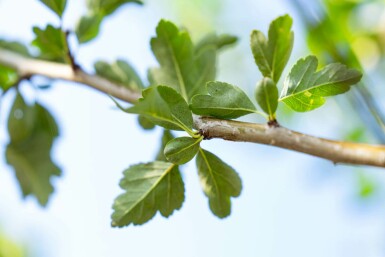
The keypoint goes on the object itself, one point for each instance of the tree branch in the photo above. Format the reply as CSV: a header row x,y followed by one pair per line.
x,y
335,151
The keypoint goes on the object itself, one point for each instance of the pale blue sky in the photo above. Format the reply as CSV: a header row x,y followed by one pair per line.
x,y
291,205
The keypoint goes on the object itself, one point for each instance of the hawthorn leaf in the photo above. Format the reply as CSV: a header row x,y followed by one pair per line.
x,y
88,27
219,182
52,43
181,67
145,123
57,6
150,187
224,101
305,87
182,149
266,95
166,137
8,77
218,41
107,7
271,55
165,107
32,131
120,72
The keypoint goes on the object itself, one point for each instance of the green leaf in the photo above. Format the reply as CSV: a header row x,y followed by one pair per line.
x,y
166,137
225,101
305,87
120,72
266,95
218,41
145,123
165,107
219,182
180,66
271,55
182,149
15,47
107,7
150,187
32,131
88,27
8,77
57,6
52,43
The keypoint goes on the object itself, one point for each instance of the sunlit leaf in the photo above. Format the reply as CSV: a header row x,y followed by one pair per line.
x,y
219,182
151,187
8,77
120,72
52,43
266,95
32,131
271,55
107,7
182,149
305,87
224,101
57,6
165,107
88,27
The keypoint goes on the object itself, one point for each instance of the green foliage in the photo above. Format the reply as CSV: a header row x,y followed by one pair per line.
x,y
52,43
16,47
88,27
224,101
8,77
180,66
9,248
219,182
218,41
107,7
57,6
145,123
271,55
165,107
150,187
305,88
182,149
32,132
166,137
119,72
266,95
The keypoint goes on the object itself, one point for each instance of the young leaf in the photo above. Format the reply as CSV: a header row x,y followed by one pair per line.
x,y
57,6
52,43
165,107
305,88
120,72
218,41
150,187
88,27
271,55
225,101
219,182
107,7
266,95
32,131
180,66
182,149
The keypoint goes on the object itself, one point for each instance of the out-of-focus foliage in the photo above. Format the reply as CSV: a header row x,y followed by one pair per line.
x,y
9,248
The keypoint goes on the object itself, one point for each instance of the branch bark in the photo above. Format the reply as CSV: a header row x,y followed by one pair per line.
x,y
335,151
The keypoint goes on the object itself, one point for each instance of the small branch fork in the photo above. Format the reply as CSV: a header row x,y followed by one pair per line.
x,y
268,134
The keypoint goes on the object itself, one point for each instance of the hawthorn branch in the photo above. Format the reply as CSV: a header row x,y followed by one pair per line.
x,y
335,151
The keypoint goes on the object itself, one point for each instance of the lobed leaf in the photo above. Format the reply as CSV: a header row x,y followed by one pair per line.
x,y
224,101
120,72
305,87
165,107
182,149
32,132
219,182
271,55
181,67
57,6
266,95
52,43
150,187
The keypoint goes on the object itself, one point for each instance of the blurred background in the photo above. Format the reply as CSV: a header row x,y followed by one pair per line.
x,y
291,204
